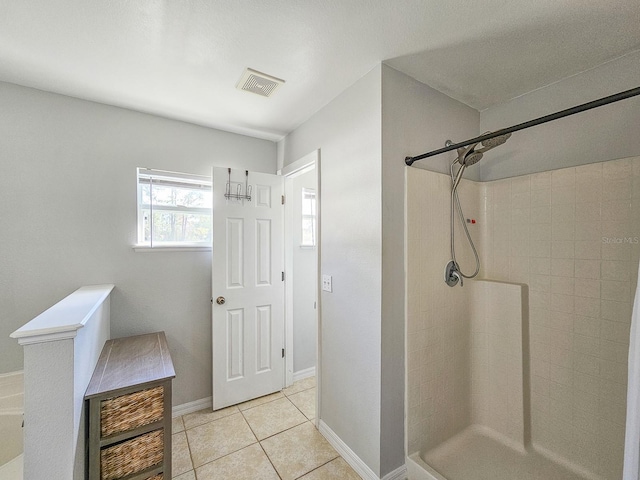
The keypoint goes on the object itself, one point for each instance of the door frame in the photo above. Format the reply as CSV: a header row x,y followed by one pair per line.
x,y
289,172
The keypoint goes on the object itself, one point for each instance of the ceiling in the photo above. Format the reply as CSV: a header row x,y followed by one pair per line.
x,y
182,58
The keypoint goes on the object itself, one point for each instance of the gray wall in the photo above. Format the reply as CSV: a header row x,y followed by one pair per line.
x,y
418,119
348,134
363,136
68,212
305,266
415,119
604,133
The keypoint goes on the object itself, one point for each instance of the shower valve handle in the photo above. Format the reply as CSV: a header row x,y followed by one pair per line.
x,y
452,275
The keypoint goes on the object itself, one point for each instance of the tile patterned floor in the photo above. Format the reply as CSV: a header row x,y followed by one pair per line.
x,y
269,438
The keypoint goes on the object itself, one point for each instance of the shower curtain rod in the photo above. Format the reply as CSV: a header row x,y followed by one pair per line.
x,y
531,123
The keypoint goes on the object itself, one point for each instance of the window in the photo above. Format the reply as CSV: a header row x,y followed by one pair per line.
x,y
308,218
174,209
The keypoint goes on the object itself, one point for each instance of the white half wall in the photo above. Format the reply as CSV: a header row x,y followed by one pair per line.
x,y
61,349
68,209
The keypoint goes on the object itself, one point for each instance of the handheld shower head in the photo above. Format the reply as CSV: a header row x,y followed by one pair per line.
x,y
471,158
468,156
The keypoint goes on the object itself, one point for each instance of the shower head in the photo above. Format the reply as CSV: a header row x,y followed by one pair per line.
x,y
468,156
471,158
494,142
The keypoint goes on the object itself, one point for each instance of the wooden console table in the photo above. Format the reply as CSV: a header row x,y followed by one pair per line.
x,y
129,410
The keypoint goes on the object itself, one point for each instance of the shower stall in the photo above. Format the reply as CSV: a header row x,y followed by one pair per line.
x,y
521,373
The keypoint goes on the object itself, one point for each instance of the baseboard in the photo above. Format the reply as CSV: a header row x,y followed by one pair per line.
x,y
399,473
191,407
351,458
306,373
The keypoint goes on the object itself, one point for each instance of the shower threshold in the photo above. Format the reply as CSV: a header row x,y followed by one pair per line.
x,y
477,453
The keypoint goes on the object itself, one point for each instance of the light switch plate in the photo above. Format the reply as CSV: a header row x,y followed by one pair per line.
x,y
326,283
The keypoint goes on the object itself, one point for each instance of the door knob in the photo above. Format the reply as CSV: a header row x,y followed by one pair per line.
x,y
220,300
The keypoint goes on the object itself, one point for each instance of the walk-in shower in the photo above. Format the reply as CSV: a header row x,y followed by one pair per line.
x,y
467,156
523,372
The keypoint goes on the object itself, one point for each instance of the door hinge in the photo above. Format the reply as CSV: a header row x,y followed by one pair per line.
x,y
211,300
283,199
283,353
283,276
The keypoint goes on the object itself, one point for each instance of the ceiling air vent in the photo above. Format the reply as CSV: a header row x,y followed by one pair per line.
x,y
259,83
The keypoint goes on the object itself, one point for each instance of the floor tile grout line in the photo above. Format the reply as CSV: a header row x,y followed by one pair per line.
x,y
266,403
285,430
299,391
319,466
223,456
250,428
315,468
181,423
209,421
226,454
249,425
269,458
260,404
307,420
190,454
288,428
295,393
257,442
299,409
285,395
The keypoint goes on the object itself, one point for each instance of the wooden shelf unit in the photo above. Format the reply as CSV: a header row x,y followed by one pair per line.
x,y
129,410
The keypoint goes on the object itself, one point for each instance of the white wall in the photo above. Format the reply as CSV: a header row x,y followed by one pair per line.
x,y
68,213
605,133
348,132
305,266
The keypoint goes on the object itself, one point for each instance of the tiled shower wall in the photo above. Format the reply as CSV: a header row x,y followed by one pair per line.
x,y
572,235
438,329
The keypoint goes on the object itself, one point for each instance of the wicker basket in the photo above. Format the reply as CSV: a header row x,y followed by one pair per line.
x,y
130,411
157,477
132,456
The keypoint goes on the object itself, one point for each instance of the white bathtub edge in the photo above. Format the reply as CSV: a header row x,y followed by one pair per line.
x,y
419,470
12,470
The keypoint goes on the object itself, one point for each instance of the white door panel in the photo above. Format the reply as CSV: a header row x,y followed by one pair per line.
x,y
248,329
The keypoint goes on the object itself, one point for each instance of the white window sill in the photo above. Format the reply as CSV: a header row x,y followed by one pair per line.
x,y
173,248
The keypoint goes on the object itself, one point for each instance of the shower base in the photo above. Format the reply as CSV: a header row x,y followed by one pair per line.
x,y
477,454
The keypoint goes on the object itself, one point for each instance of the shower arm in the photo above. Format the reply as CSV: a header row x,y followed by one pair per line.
x,y
531,123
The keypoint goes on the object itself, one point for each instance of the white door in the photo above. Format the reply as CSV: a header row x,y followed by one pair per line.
x,y
248,326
